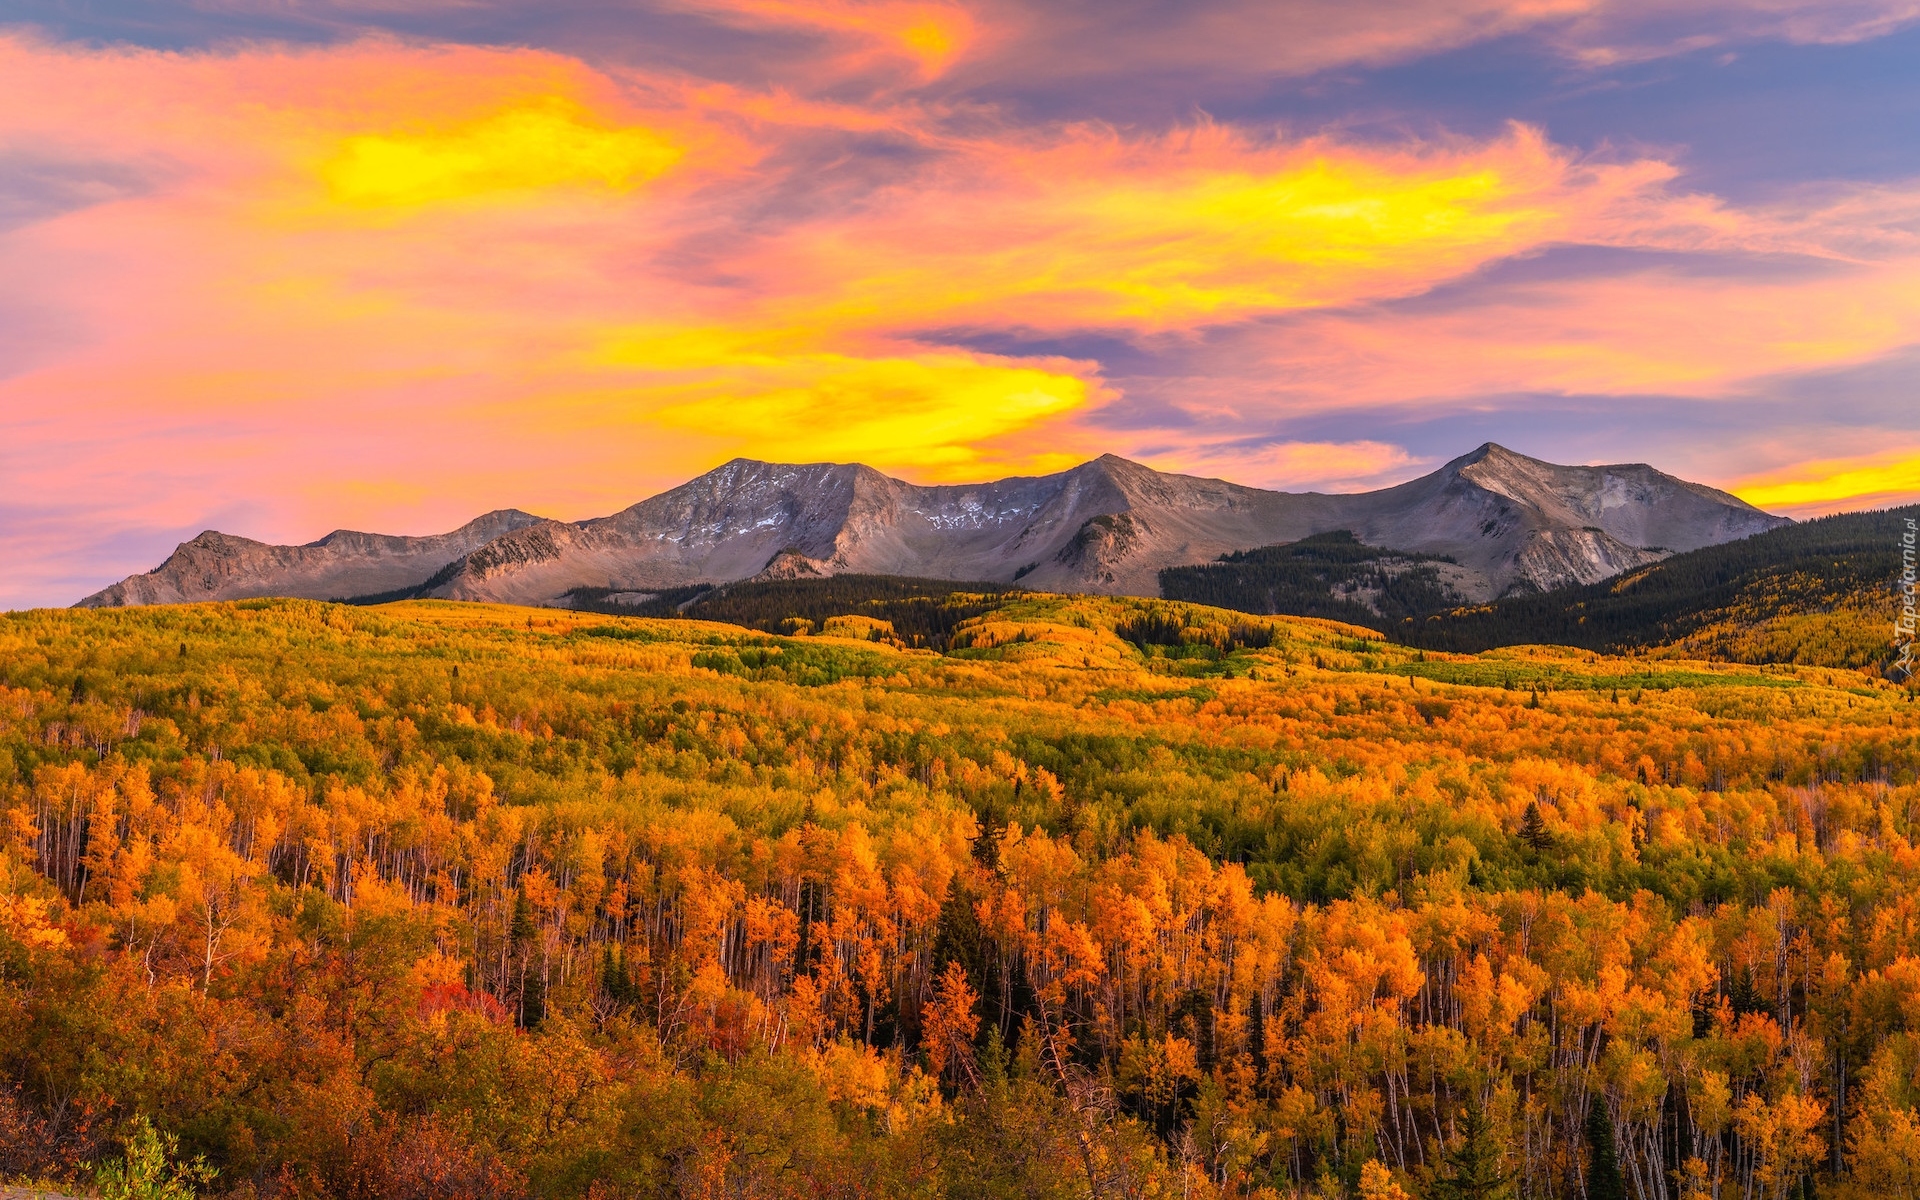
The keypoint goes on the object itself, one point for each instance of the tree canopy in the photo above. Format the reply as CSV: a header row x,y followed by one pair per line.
x,y
440,900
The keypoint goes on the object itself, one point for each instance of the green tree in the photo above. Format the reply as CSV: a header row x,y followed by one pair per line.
x,y
1604,1181
533,980
1533,828
1472,1167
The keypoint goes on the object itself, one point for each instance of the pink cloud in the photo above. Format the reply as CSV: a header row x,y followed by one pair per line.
x,y
391,285
1287,466
1260,40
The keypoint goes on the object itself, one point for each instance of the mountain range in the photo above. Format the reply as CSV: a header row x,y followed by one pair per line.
x,y
1507,523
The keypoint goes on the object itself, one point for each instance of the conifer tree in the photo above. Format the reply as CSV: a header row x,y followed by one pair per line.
x,y
1604,1180
1533,828
1473,1167
533,983
533,998
523,929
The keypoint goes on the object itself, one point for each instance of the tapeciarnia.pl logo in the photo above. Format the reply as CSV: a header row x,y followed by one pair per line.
x,y
1903,625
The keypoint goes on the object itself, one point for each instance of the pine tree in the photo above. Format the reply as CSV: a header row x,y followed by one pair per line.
x,y
1604,1181
533,998
615,980
523,929
1533,828
1473,1167
533,982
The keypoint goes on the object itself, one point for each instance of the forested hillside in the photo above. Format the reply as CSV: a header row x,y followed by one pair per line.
x,y
1331,575
1819,592
920,613
440,900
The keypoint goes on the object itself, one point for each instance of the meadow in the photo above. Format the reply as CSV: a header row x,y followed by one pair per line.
x,y
437,900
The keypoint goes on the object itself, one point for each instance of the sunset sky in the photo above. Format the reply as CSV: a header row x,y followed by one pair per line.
x,y
281,267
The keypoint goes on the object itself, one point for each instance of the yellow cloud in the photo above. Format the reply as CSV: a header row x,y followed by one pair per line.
x,y
931,34
929,414
1253,242
542,143
930,40
1094,231
1838,484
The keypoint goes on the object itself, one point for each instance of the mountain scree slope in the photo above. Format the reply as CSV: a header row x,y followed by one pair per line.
x,y
1507,522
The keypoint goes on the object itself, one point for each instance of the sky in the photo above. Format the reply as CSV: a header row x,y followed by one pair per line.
x,y
278,267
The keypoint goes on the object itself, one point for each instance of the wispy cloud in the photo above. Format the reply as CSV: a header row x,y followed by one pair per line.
x,y
1289,466
382,282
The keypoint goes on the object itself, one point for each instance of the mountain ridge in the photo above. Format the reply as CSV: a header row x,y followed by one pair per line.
x,y
1823,593
1108,525
238,568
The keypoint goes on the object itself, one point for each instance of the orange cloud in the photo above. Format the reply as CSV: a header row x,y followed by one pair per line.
x,y
1652,331
1089,230
506,277
1080,230
1824,486
929,34
933,414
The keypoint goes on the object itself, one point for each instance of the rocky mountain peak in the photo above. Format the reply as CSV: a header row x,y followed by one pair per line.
x,y
1107,525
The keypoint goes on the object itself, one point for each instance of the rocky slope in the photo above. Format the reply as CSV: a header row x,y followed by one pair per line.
x,y
219,566
1819,593
1520,523
1110,525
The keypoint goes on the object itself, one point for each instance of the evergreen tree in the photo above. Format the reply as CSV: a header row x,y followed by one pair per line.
x,y
1473,1167
533,982
523,929
533,998
1533,828
615,980
1604,1180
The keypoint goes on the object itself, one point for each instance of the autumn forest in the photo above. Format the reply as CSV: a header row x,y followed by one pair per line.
x,y
1102,898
